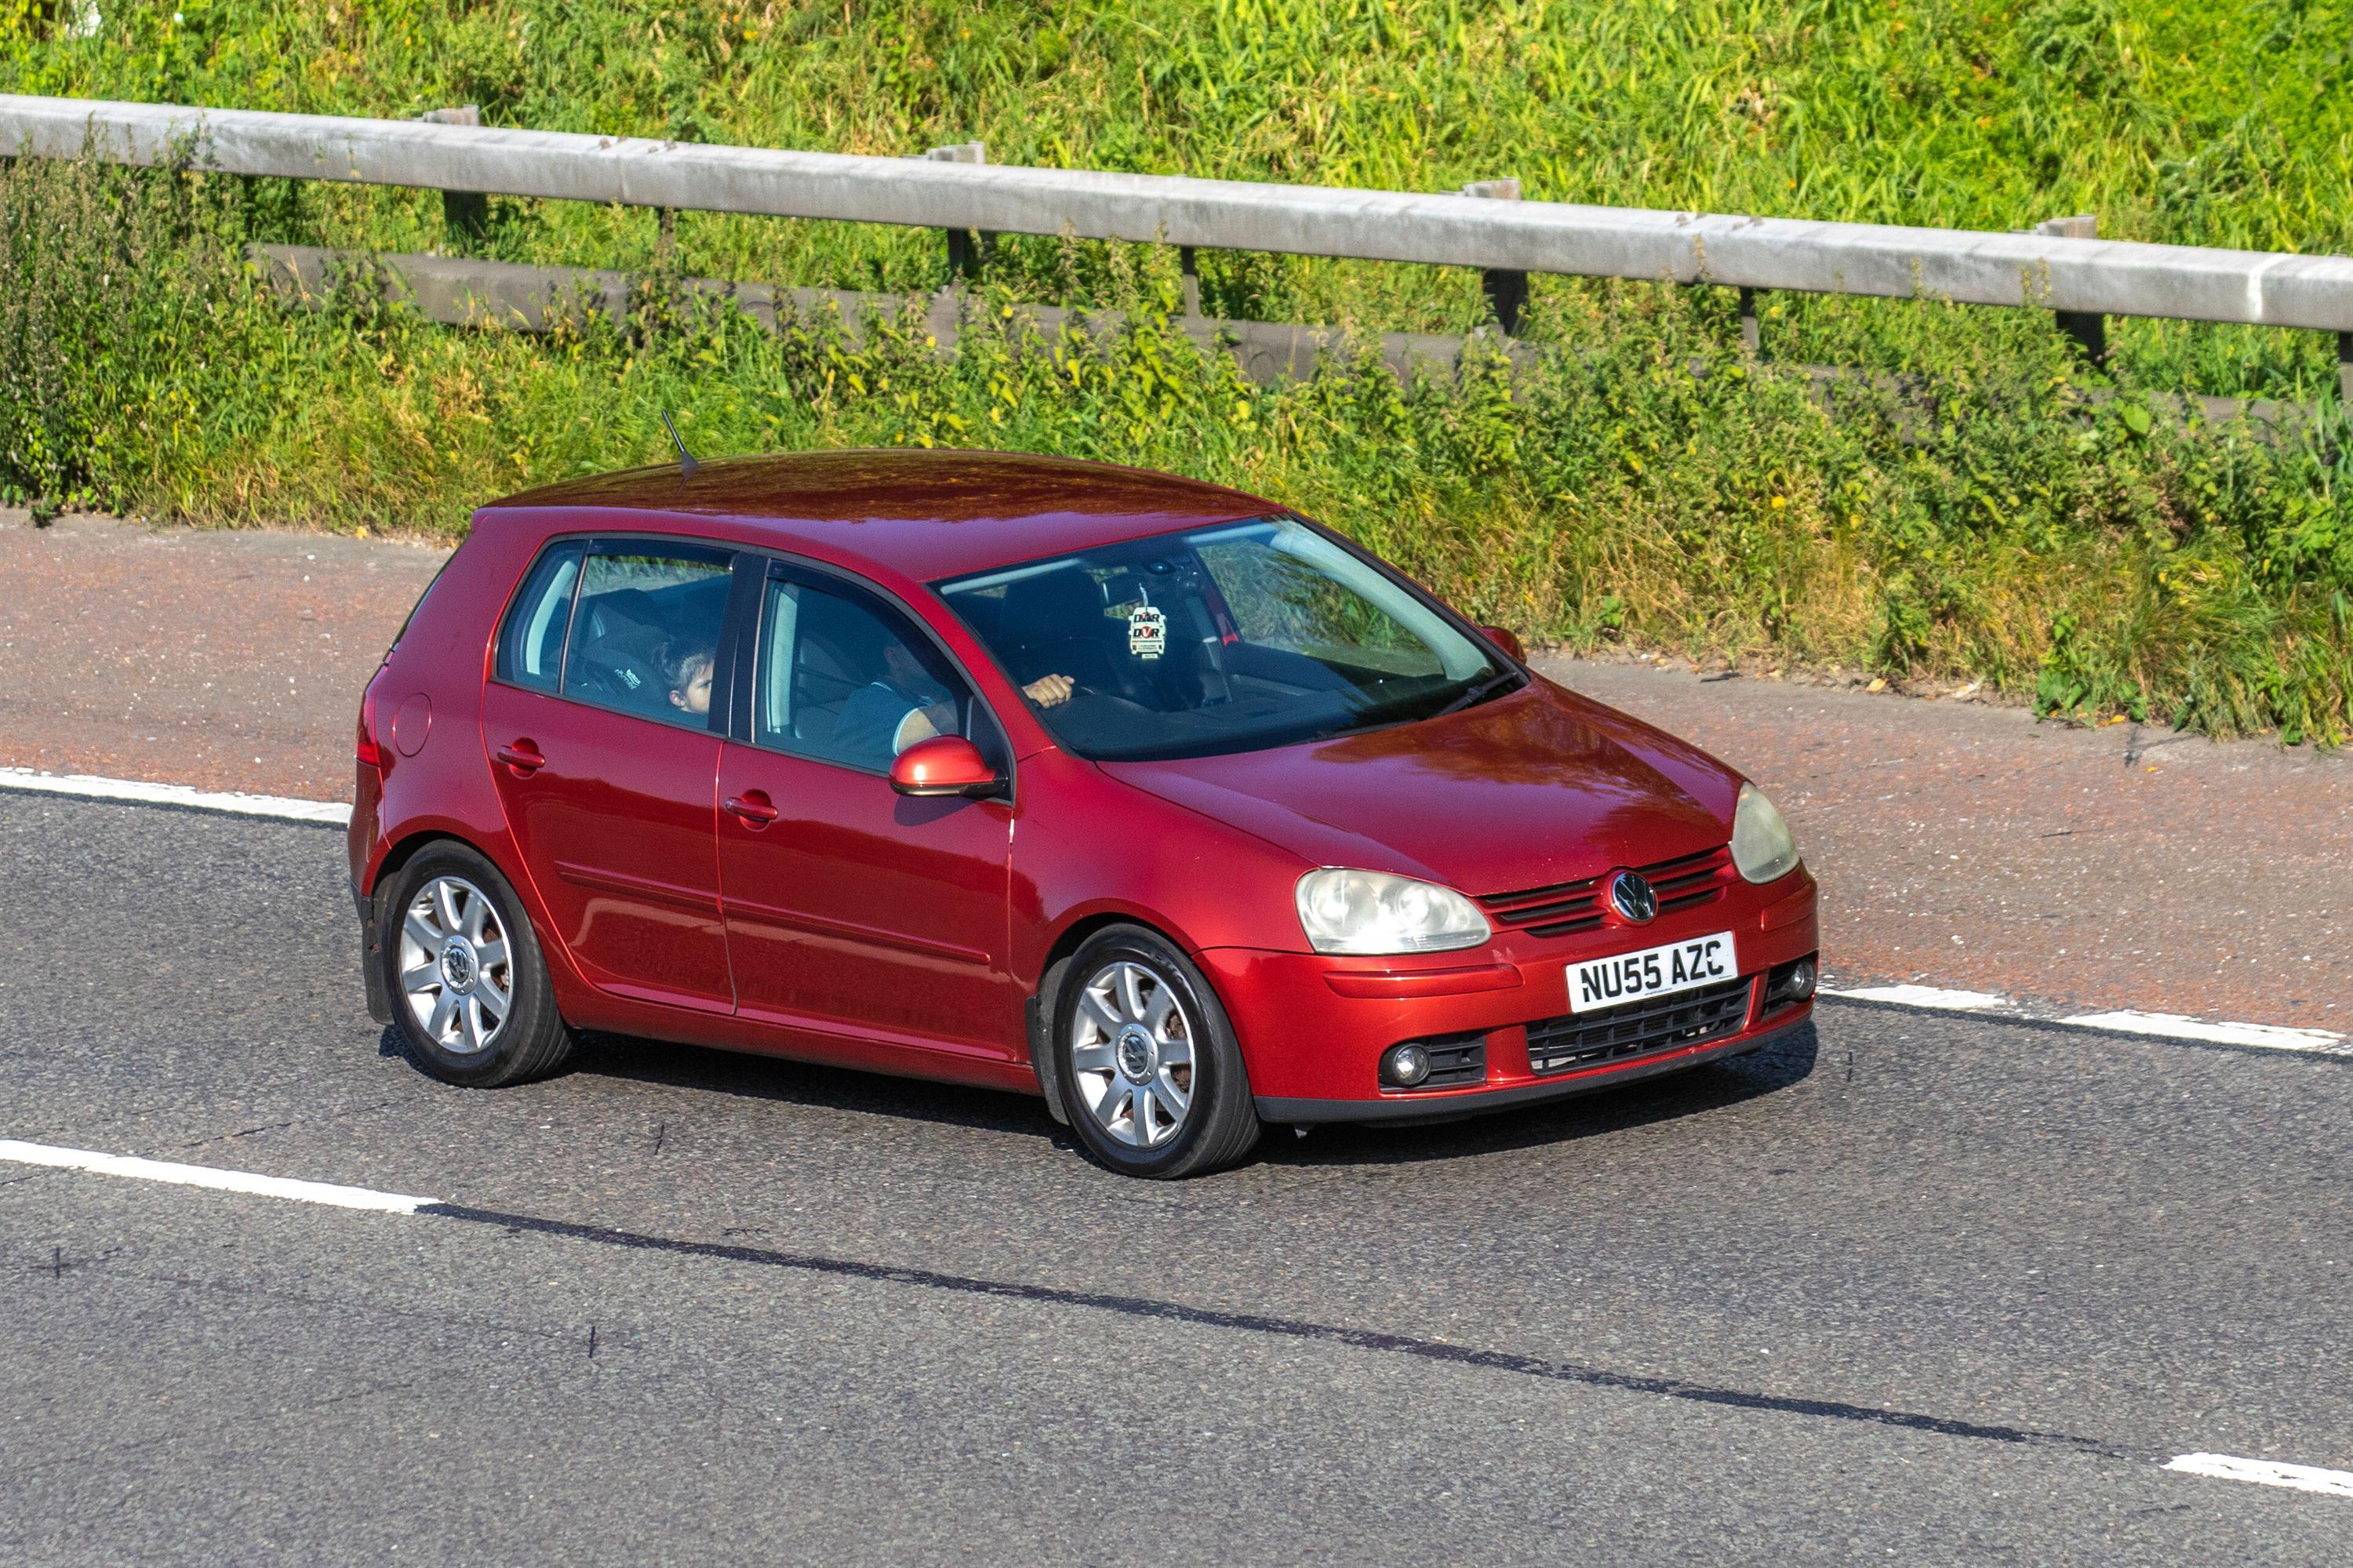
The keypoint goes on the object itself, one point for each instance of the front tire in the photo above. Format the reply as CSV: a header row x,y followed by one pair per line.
x,y
1151,1073
469,990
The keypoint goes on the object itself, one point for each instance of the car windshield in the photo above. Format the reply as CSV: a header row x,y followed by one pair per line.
x,y
1235,638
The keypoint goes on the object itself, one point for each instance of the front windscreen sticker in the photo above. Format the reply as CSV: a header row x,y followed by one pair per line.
x,y
1147,631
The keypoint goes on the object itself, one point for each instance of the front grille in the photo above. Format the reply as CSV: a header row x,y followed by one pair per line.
x,y
1685,882
1639,1028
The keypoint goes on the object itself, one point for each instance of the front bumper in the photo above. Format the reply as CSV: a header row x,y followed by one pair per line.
x,y
1312,1028
1443,1105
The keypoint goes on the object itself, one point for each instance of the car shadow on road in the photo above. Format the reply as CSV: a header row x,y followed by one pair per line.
x,y
1788,1060
755,1077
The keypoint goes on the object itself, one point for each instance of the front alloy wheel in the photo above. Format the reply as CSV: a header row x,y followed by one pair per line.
x,y
1131,1055
1146,1060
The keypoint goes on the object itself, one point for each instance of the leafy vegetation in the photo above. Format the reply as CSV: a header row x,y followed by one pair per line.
x,y
1969,518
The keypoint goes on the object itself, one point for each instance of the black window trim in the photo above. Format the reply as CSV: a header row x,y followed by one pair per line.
x,y
733,681
717,552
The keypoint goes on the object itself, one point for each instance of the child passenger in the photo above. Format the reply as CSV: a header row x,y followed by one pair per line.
x,y
688,669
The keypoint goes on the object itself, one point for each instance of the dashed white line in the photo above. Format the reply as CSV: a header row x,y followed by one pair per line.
x,y
2174,1026
2161,1026
2221,1467
90,786
1941,999
1924,996
2265,1473
209,1176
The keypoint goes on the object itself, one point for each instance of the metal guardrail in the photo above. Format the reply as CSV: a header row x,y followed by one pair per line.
x,y
2077,277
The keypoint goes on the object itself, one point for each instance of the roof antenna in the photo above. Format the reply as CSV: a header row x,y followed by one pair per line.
x,y
686,463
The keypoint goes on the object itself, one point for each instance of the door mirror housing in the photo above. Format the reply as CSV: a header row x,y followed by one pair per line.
x,y
945,764
1506,640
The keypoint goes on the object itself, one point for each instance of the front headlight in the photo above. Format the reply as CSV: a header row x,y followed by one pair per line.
x,y
1761,845
1373,912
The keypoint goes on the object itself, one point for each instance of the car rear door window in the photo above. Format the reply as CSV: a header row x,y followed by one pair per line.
x,y
645,633
844,678
531,644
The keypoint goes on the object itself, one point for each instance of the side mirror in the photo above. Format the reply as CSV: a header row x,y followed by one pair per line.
x,y
945,764
1506,641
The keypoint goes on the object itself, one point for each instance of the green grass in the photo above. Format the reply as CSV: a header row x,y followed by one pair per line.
x,y
2105,563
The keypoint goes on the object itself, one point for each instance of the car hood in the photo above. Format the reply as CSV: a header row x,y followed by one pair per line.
x,y
1539,787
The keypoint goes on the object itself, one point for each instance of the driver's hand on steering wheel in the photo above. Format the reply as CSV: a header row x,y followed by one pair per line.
x,y
1049,690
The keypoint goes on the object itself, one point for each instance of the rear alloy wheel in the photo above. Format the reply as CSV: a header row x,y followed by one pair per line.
x,y
457,971
469,989
1150,1068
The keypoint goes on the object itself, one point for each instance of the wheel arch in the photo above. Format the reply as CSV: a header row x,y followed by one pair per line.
x,y
570,984
396,855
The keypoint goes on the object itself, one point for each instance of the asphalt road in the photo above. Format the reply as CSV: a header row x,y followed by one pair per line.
x,y
1912,1289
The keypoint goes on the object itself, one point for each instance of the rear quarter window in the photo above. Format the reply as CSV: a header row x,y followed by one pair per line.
x,y
538,623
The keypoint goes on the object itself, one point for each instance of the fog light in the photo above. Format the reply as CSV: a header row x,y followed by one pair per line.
x,y
1801,979
1403,1066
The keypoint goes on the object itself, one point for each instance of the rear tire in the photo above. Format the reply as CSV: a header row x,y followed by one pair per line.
x,y
469,984
1149,1069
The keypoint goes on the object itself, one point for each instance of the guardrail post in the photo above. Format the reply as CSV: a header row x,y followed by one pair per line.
x,y
1189,269
2089,330
967,248
1507,292
466,213
1752,332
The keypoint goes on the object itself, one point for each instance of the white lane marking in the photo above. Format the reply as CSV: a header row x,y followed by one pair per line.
x,y
2265,1473
2174,1026
1923,996
91,787
209,1176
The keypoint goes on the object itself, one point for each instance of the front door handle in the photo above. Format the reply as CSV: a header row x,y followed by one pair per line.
x,y
754,806
521,756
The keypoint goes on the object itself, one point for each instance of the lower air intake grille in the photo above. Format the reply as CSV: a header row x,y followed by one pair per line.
x,y
1454,1060
1637,1029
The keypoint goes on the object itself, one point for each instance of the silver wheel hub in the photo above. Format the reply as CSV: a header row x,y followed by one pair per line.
x,y
1136,1056
456,972
1131,1055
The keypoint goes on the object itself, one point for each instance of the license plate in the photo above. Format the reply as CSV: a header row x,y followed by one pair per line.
x,y
1654,972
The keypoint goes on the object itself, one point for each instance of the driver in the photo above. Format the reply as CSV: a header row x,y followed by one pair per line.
x,y
882,719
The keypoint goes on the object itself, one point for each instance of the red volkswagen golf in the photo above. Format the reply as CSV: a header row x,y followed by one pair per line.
x,y
1147,796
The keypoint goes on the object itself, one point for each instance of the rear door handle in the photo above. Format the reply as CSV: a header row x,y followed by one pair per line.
x,y
754,806
521,756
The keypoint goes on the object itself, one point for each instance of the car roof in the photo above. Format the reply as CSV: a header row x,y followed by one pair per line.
x,y
926,514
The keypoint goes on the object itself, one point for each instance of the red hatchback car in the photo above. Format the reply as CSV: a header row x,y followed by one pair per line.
x,y
1146,795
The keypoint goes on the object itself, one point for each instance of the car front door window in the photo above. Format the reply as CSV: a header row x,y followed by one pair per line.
x,y
846,680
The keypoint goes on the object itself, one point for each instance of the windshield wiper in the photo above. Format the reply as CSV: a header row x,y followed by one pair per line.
x,y
1491,687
